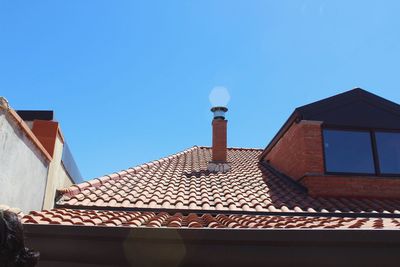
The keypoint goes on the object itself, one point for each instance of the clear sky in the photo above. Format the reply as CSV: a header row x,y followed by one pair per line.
x,y
129,80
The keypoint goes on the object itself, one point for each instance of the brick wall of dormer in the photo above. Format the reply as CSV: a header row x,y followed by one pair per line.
x,y
299,155
299,150
352,186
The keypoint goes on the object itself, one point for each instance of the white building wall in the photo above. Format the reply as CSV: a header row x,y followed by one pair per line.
x,y
23,168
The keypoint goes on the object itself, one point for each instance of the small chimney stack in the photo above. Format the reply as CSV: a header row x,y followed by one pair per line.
x,y
219,141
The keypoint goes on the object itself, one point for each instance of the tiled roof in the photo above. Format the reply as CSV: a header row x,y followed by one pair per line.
x,y
177,220
182,182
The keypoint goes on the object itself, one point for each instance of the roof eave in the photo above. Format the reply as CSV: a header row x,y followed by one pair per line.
x,y
111,246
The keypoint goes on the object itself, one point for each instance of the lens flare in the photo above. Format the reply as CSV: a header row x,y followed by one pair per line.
x,y
219,96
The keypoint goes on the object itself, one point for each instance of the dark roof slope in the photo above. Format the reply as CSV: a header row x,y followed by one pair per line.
x,y
356,108
181,183
30,115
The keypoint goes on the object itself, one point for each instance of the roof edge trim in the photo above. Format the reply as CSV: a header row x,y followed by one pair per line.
x,y
294,117
237,212
28,132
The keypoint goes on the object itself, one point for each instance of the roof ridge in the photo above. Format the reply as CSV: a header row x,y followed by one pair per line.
x,y
98,181
235,148
246,148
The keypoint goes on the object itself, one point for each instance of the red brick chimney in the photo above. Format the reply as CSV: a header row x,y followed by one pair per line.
x,y
219,141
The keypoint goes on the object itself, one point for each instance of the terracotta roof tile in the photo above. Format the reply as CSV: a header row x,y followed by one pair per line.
x,y
193,220
182,182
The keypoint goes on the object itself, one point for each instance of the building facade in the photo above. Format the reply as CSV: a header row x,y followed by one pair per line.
x,y
32,148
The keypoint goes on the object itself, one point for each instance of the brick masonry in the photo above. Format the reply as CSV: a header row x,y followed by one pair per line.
x,y
354,186
219,141
299,151
299,154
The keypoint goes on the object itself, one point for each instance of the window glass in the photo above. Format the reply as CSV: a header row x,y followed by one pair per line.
x,y
348,151
388,146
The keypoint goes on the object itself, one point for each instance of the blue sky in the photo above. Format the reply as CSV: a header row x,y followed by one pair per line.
x,y
129,80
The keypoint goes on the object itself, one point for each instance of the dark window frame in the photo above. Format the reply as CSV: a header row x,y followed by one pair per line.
x,y
375,155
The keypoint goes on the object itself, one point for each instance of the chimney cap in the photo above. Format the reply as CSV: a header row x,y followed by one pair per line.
x,y
219,112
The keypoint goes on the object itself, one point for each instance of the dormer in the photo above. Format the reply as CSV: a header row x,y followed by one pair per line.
x,y
346,145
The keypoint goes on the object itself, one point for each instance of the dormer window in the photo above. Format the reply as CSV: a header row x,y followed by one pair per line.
x,y
361,152
345,145
348,152
388,148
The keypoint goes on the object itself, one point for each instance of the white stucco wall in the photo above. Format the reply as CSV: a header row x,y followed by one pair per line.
x,y
58,177
23,168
